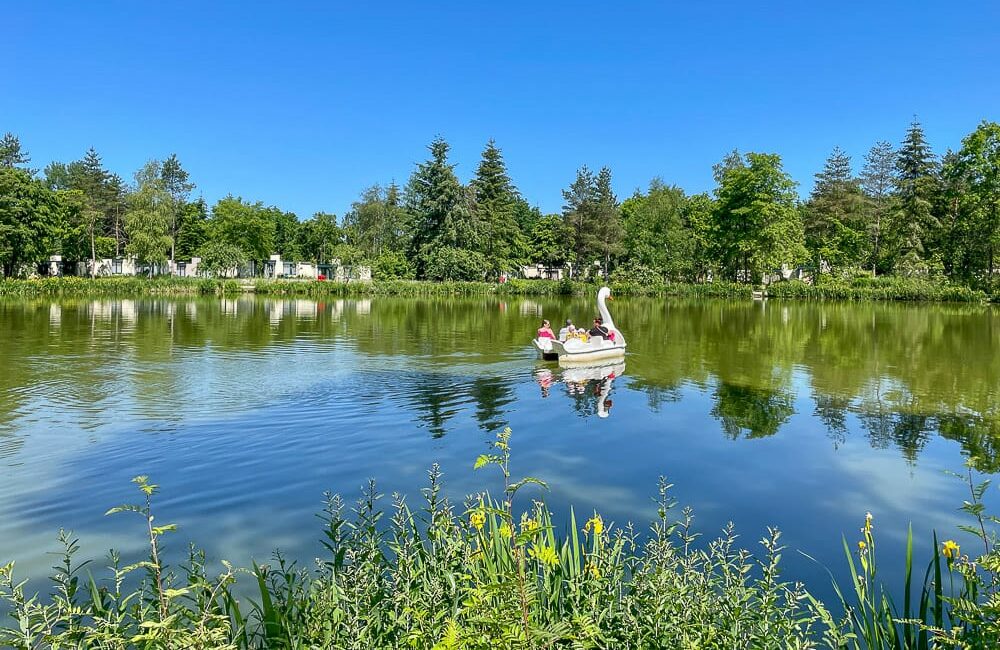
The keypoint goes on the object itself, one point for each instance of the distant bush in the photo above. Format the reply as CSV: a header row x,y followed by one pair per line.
x,y
865,287
452,264
392,266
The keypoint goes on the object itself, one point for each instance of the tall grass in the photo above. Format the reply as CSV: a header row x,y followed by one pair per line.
x,y
880,288
498,572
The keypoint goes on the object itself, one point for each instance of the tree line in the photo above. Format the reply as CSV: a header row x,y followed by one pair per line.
x,y
906,211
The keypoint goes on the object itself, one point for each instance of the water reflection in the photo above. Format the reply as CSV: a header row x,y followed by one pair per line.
x,y
818,411
588,387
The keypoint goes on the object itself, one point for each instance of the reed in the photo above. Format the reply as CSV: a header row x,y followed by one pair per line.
x,y
498,571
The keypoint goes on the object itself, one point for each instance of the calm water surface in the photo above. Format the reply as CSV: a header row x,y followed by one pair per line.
x,y
799,415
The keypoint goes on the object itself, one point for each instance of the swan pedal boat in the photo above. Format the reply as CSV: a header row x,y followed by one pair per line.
x,y
597,348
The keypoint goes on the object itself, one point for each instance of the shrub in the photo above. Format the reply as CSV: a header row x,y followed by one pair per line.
x,y
451,264
392,266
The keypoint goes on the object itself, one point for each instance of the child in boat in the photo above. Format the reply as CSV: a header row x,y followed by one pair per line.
x,y
568,331
545,331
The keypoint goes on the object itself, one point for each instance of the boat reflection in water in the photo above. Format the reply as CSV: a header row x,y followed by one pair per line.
x,y
588,386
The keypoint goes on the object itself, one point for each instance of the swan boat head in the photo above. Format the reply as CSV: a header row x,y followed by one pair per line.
x,y
603,295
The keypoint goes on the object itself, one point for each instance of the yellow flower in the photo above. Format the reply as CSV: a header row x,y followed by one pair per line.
x,y
593,570
545,554
596,523
477,519
950,549
528,525
862,546
505,530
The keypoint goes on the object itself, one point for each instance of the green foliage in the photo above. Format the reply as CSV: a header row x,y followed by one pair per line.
x,y
915,226
551,240
757,225
392,265
221,259
501,240
250,227
11,153
657,233
450,264
192,229
880,288
149,217
834,218
30,216
593,218
906,214
497,572
318,237
376,223
439,213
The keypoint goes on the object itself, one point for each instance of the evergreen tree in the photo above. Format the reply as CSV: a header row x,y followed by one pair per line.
x,y
437,206
578,215
496,197
833,218
11,153
104,194
916,225
177,183
607,219
878,181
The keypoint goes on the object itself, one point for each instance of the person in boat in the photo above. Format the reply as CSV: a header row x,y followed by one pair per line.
x,y
599,329
567,331
545,331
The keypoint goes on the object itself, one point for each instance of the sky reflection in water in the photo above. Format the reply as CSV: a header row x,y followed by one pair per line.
x,y
800,415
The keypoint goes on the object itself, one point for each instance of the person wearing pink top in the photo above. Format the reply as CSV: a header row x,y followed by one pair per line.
x,y
545,331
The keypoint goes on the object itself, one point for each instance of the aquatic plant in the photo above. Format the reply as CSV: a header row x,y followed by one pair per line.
x,y
496,571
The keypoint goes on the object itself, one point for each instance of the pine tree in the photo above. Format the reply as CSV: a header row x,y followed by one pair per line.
x,y
833,218
11,153
878,181
607,219
177,183
578,213
438,208
916,224
496,198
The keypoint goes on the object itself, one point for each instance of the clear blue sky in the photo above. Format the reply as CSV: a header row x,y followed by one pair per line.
x,y
302,104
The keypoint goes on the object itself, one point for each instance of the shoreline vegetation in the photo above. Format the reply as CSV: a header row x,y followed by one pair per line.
x,y
498,572
888,288
907,225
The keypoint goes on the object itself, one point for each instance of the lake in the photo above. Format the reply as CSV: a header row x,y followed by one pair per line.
x,y
245,410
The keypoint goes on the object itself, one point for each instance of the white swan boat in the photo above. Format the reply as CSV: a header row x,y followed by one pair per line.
x,y
596,348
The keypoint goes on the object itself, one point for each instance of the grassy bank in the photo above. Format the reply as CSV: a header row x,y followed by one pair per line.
x,y
498,573
880,288
864,288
